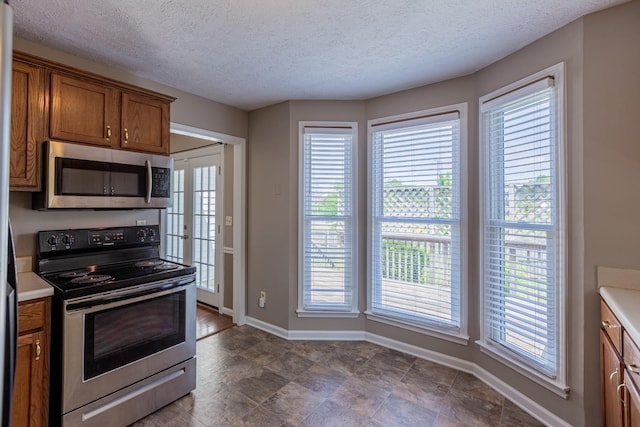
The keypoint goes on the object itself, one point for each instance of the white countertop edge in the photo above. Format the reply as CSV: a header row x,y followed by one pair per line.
x,y
31,286
624,303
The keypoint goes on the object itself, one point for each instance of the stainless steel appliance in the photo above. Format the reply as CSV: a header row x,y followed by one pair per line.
x,y
123,325
83,177
7,263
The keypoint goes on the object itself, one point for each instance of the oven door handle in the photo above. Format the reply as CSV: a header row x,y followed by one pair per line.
x,y
119,298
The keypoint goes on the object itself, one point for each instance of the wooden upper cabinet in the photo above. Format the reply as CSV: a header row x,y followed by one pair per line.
x,y
83,111
27,125
145,124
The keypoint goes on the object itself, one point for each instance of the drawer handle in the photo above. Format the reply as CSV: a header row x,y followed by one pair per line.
x,y
634,368
108,132
607,324
38,350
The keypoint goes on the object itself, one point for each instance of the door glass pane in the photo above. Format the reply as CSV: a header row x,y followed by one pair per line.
x,y
204,218
175,219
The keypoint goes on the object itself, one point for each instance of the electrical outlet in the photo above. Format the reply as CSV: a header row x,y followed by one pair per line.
x,y
263,299
141,222
228,220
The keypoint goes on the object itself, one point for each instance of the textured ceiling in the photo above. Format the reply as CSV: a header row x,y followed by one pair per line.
x,y
252,53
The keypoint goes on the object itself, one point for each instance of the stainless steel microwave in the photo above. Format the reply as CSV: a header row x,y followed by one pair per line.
x,y
84,177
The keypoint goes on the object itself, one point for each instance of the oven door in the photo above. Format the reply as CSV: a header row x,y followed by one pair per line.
x,y
113,340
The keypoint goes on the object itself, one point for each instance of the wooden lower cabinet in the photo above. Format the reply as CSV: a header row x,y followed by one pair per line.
x,y
611,378
31,391
632,402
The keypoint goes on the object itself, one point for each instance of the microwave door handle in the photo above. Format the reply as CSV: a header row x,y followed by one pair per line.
x,y
147,199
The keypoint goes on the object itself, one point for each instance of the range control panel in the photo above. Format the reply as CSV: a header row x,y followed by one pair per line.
x,y
67,240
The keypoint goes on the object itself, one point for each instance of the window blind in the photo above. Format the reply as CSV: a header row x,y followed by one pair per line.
x,y
415,221
328,218
521,228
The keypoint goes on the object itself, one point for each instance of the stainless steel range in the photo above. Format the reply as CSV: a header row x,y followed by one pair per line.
x,y
123,325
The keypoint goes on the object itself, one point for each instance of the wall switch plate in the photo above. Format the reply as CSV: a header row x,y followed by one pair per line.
x,y
228,220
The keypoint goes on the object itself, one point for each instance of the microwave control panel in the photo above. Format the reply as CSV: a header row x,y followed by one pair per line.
x,y
161,179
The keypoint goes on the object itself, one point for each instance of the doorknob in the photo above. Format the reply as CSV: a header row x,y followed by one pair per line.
x,y
184,236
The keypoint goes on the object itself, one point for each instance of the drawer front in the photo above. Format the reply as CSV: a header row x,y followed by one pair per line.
x,y
611,326
31,315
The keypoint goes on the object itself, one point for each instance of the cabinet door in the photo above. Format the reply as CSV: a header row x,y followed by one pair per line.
x,y
633,404
28,393
611,377
82,111
27,125
145,124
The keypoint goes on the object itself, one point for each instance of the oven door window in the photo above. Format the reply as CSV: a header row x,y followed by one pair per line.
x,y
124,334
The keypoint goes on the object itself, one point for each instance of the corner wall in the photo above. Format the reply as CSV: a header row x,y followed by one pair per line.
x,y
611,165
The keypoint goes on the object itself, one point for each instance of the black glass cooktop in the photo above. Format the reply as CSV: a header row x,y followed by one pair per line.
x,y
96,279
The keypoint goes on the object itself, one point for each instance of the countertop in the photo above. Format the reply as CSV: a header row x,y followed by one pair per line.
x,y
620,289
30,285
625,304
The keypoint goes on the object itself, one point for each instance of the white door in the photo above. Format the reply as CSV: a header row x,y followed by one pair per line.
x,y
193,231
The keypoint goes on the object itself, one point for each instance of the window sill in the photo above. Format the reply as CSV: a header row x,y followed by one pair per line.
x,y
539,378
329,314
447,335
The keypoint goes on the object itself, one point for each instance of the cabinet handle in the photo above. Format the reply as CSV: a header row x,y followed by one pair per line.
x,y
108,132
126,135
613,374
607,324
634,368
623,399
38,350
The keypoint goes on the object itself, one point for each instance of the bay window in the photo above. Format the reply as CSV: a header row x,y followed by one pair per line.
x,y
328,212
522,225
416,232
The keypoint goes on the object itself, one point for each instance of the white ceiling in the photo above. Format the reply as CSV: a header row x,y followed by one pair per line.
x,y
252,53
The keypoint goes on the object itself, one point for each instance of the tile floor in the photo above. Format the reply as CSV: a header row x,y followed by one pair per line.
x,y
247,377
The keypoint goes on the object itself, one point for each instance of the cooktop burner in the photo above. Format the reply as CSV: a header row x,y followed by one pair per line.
x,y
73,274
91,278
165,267
149,263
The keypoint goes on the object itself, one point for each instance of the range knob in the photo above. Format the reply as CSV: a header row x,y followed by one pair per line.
x,y
151,233
67,239
52,240
142,234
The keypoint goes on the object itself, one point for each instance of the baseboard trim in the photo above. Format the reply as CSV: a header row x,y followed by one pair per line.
x,y
227,311
534,409
267,327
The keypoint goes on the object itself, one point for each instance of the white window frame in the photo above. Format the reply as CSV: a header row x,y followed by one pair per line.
x,y
323,311
558,383
457,335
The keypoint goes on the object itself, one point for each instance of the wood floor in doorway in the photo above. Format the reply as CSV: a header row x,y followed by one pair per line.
x,y
209,321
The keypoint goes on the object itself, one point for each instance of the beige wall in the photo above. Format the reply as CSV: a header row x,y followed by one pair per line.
x,y
611,163
602,92
562,45
268,214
